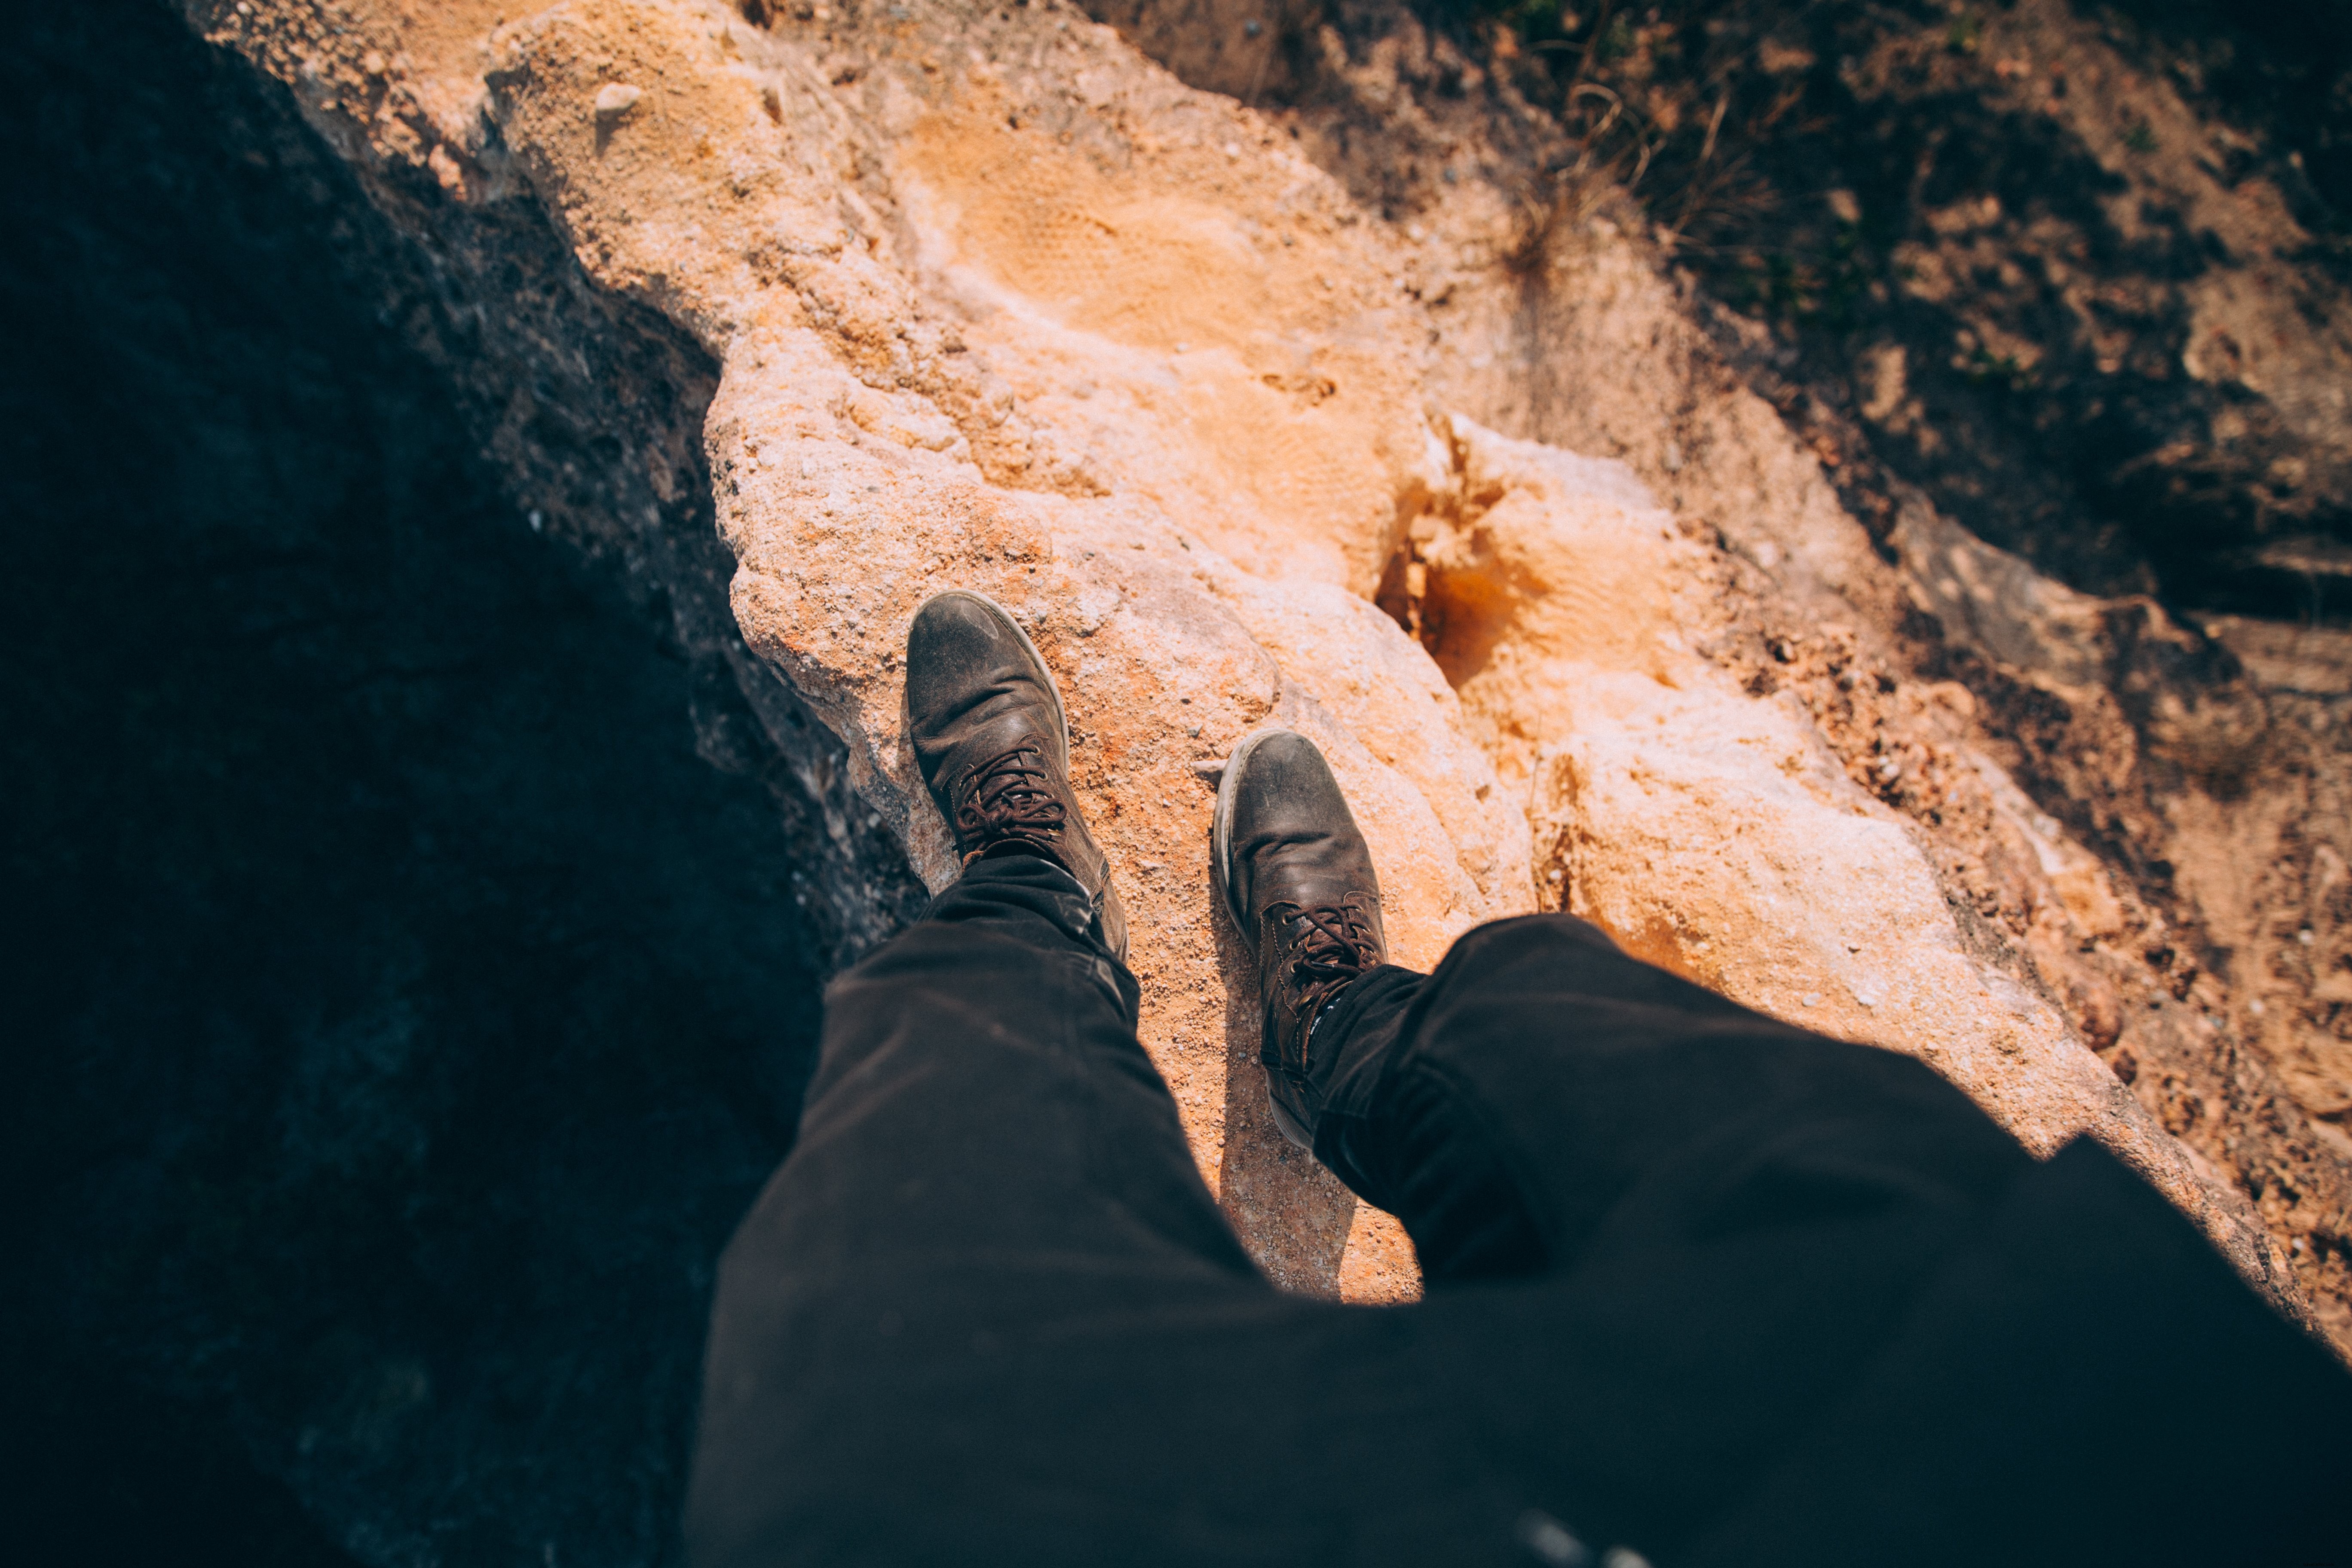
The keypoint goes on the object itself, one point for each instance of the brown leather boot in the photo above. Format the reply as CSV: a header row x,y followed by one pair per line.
x,y
1297,876
989,735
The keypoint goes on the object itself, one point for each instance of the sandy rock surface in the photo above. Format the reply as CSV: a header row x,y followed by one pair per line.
x,y
1002,305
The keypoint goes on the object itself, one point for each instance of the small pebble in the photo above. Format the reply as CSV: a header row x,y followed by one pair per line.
x,y
1551,1542
1811,999
616,99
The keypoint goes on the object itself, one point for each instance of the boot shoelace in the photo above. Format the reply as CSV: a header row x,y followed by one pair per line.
x,y
1337,948
1007,797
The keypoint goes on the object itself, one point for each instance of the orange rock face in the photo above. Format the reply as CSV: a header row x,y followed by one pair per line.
x,y
1002,305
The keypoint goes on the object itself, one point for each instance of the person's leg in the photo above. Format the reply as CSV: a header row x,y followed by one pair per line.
x,y
1681,1254
1808,1300
986,1161
986,1311
1543,1099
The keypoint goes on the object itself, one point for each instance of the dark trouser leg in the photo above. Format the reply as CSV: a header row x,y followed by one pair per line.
x,y
987,1311
1774,1297
1543,1102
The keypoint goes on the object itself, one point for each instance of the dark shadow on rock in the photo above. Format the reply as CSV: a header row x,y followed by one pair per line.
x,y
403,1004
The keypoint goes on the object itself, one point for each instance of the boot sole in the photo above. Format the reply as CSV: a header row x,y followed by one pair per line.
x,y
1221,832
1221,845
